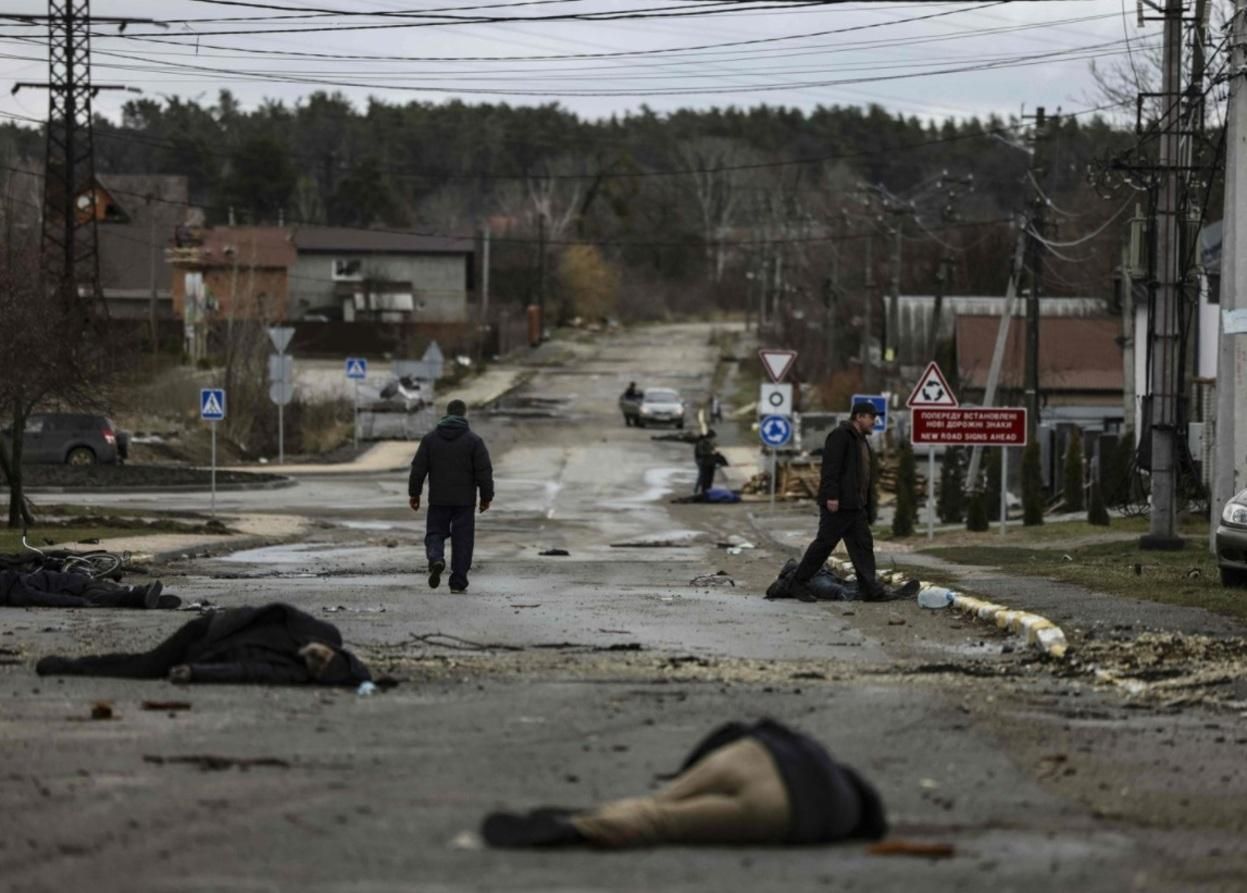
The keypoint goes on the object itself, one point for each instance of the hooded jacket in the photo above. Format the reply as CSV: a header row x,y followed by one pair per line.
x,y
456,462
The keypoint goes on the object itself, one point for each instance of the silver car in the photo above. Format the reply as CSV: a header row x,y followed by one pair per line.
x,y
1232,542
661,406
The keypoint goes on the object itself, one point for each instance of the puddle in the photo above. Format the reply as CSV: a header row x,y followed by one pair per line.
x,y
367,525
298,553
659,482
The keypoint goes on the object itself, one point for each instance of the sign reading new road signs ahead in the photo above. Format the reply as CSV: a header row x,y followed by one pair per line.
x,y
932,389
356,368
969,426
775,431
880,403
212,404
777,363
775,399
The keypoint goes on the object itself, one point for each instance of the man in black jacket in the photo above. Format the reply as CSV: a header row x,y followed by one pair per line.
x,y
456,462
844,507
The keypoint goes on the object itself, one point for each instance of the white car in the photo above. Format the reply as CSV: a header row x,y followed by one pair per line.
x,y
661,406
1232,542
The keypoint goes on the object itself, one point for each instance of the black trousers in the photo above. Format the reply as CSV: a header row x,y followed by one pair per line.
x,y
705,477
852,526
458,524
54,589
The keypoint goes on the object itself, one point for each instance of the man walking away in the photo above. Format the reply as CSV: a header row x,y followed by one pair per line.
x,y
844,510
456,462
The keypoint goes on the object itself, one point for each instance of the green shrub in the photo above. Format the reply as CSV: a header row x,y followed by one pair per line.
x,y
951,502
976,512
906,492
1072,484
1032,487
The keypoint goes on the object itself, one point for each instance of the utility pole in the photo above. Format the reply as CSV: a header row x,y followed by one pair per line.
x,y
484,325
1165,329
868,286
541,265
1129,261
894,301
70,251
941,283
1231,428
1034,253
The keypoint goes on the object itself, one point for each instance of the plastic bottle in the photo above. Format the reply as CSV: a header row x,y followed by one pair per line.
x,y
935,597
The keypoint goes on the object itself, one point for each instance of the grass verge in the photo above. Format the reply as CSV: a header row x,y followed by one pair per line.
x,y
75,538
1188,578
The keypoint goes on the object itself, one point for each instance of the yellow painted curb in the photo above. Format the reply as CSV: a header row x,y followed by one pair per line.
x,y
1040,632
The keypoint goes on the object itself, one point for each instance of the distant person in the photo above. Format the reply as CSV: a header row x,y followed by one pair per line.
x,y
456,462
630,403
716,408
844,496
704,454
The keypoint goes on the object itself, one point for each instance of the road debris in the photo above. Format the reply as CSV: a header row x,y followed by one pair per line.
x,y
340,609
912,848
169,706
215,763
102,710
718,578
554,553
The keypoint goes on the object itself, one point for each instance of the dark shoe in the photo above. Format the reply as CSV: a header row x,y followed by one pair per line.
x,y
435,573
458,589
800,591
168,603
151,594
541,828
909,590
56,666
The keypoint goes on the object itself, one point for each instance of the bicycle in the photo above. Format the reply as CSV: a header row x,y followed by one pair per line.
x,y
96,564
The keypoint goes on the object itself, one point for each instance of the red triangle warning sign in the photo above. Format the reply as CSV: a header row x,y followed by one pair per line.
x,y
777,362
932,389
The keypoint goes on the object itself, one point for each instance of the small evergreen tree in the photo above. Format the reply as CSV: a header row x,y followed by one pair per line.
x,y
991,491
976,512
1032,487
1117,475
906,492
1097,513
951,503
1073,473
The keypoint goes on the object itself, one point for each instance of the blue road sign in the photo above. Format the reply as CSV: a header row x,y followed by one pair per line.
x,y
356,367
880,403
775,430
212,404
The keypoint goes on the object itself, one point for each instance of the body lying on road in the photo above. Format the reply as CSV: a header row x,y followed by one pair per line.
x,y
55,589
275,644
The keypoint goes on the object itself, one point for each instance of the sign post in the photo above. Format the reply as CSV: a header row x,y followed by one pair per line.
x,y
356,371
775,406
776,432
281,382
212,410
932,390
1004,487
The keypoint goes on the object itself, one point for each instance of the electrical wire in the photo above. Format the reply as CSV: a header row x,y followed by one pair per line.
x,y
1089,236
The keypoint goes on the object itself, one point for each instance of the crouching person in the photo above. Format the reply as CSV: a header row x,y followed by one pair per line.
x,y
744,785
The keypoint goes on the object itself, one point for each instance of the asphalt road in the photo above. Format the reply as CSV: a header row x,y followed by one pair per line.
x,y
572,679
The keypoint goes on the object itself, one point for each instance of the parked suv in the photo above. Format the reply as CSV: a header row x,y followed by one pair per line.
x,y
1232,541
73,439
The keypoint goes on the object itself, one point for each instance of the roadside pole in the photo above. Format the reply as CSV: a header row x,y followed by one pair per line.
x,y
774,471
1231,424
281,434
281,382
212,411
930,493
1004,490
356,371
212,504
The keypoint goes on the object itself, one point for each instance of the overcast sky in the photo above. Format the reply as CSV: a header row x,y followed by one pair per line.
x,y
883,59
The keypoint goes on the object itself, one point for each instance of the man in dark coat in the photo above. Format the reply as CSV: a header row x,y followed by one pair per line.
x,y
844,496
704,456
56,589
274,644
456,462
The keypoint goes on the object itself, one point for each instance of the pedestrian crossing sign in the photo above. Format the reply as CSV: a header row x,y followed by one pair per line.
x,y
356,367
212,404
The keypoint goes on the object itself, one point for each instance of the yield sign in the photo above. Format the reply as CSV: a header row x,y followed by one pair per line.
x,y
932,389
777,362
280,336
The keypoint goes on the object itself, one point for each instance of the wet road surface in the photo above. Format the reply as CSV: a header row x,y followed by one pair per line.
x,y
566,680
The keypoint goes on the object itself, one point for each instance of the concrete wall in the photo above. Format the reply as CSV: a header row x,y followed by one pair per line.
x,y
437,283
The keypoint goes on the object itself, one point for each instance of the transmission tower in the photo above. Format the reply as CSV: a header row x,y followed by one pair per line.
x,y
70,251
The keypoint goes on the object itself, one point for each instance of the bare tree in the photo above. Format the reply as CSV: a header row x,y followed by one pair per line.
x,y
716,181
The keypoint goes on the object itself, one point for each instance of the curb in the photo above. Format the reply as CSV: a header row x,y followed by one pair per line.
x,y
1040,632
169,488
